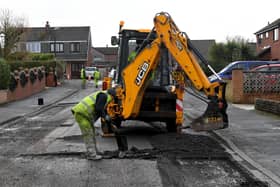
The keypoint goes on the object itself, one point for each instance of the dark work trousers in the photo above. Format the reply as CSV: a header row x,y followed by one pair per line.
x,y
121,139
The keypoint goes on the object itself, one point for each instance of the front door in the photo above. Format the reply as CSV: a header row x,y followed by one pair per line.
x,y
76,69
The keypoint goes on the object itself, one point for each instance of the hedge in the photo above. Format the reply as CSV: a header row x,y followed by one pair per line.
x,y
26,56
17,65
23,60
4,74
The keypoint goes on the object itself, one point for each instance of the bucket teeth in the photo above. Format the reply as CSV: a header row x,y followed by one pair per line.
x,y
208,124
212,119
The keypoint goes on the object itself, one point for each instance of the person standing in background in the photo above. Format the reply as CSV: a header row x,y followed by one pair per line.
x,y
83,77
96,77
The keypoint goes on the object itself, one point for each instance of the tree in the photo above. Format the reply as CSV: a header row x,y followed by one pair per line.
x,y
1,55
235,49
11,27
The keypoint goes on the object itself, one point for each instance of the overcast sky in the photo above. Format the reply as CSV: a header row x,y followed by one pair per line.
x,y
200,19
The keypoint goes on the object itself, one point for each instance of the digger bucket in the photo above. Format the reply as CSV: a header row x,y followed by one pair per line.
x,y
214,117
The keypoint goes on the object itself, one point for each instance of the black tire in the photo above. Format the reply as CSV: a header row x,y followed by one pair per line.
x,y
171,125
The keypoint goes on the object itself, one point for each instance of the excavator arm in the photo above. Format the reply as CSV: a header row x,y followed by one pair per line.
x,y
176,42
136,76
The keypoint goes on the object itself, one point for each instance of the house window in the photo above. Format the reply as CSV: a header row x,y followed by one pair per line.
x,y
261,36
75,47
57,47
266,35
76,67
276,34
34,47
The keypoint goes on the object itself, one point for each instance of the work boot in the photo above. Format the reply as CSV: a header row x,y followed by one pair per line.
x,y
122,154
92,152
121,142
94,157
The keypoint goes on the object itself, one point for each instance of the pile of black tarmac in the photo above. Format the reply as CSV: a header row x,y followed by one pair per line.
x,y
183,159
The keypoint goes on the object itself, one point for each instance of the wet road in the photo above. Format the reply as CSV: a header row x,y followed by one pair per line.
x,y
46,149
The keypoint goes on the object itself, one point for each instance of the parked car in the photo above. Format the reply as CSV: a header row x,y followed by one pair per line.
x,y
90,71
271,71
268,67
226,72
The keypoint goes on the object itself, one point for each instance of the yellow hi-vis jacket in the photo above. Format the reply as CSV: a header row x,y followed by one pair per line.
x,y
83,73
96,75
132,56
86,106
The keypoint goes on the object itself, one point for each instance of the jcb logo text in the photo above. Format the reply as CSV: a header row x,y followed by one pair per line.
x,y
141,73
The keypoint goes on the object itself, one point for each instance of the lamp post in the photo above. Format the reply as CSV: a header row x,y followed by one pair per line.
x,y
54,39
2,44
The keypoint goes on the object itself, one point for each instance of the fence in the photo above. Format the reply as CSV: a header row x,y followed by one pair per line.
x,y
247,86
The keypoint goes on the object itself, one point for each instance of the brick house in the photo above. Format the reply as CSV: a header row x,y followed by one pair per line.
x,y
105,56
108,56
71,45
268,43
203,46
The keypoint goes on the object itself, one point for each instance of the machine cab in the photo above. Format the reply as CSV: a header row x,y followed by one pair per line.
x,y
131,42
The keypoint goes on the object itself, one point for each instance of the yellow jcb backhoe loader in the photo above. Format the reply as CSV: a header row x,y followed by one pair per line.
x,y
150,87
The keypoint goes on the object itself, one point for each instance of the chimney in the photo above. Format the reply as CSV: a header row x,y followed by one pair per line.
x,y
47,26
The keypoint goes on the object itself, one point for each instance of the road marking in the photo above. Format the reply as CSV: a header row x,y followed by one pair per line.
x,y
11,129
244,106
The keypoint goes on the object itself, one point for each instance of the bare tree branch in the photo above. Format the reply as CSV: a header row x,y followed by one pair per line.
x,y
11,27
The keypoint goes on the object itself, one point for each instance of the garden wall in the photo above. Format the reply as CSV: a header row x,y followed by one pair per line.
x,y
24,84
247,86
268,105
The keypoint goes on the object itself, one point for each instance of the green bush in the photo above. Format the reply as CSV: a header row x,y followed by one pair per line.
x,y
16,65
42,56
4,74
18,56
49,66
60,69
26,56
24,60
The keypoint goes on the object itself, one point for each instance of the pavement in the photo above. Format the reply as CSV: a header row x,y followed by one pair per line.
x,y
17,109
253,135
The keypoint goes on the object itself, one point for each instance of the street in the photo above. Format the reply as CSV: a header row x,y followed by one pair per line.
x,y
44,148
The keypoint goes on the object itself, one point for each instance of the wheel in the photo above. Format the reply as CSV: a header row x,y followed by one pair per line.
x,y
171,125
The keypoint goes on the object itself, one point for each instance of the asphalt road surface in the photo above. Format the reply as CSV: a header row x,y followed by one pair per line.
x,y
46,149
